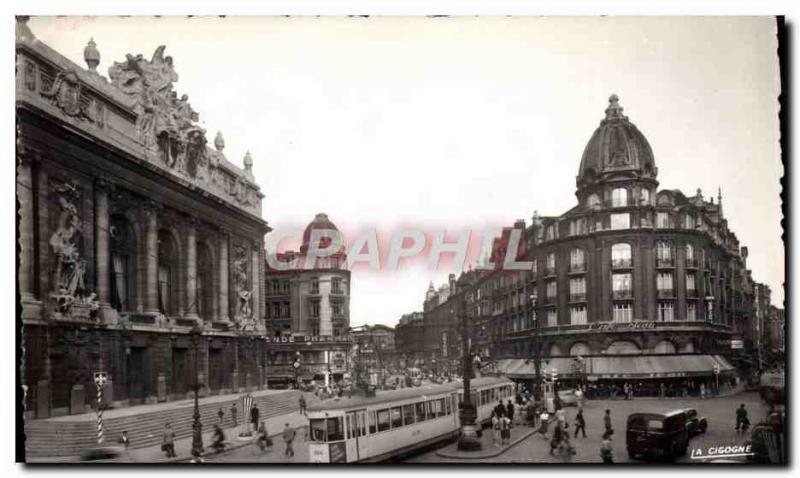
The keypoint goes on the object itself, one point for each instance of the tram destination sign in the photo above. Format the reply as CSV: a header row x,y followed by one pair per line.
x,y
620,326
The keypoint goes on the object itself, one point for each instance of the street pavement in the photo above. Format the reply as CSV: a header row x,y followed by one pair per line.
x,y
720,413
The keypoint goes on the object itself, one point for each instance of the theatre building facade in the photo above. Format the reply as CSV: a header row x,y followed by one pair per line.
x,y
140,247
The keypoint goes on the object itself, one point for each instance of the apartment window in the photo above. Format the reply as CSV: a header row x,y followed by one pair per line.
x,y
690,285
621,221
665,311
552,289
623,313
577,227
577,289
621,285
276,310
551,263
662,220
619,197
315,309
664,253
577,315
315,285
577,260
621,255
688,221
336,285
315,331
286,286
535,268
336,307
664,282
552,317
691,311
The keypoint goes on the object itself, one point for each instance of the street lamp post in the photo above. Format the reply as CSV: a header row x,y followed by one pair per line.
x,y
197,426
537,358
468,439
296,367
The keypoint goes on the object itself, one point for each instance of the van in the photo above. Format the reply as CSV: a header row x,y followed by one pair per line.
x,y
657,435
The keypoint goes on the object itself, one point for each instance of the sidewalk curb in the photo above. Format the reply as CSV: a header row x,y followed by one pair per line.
x,y
492,453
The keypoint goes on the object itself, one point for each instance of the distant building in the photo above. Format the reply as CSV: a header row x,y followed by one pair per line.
x,y
645,283
409,336
308,315
133,233
374,349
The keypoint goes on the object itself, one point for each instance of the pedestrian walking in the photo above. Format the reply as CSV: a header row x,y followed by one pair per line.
x,y
580,424
254,416
263,441
288,438
302,402
607,449
543,424
168,441
607,422
741,419
221,416
505,430
702,390
124,441
510,412
558,436
234,415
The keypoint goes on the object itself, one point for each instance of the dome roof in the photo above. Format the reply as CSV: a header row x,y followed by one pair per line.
x,y
616,145
320,222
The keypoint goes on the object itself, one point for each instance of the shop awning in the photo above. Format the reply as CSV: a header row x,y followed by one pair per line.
x,y
636,366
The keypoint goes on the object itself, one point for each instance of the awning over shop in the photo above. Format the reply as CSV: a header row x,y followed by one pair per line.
x,y
637,366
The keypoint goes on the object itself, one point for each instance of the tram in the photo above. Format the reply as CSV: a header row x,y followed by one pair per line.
x,y
374,429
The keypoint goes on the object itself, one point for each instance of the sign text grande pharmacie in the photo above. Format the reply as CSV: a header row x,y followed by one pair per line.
x,y
612,326
309,338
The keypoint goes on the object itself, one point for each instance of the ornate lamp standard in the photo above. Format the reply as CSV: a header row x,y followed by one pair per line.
x,y
197,426
296,367
468,439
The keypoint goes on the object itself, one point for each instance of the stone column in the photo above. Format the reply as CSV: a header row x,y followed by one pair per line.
x,y
151,251
224,305
255,298
101,235
191,269
26,237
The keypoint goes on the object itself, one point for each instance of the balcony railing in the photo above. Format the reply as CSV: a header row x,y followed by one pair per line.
x,y
621,263
577,297
691,293
550,300
665,262
577,268
622,294
666,293
691,263
549,271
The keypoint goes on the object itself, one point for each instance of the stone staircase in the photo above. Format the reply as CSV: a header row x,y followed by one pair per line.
x,y
69,436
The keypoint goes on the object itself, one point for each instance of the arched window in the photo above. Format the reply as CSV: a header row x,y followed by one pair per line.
x,y
555,351
664,253
203,282
579,348
623,347
122,244
664,347
167,274
645,197
621,255
689,252
619,197
688,221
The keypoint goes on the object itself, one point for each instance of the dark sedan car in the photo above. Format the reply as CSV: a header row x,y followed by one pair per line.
x,y
695,424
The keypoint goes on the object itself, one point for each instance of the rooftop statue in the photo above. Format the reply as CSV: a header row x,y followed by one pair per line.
x,y
164,120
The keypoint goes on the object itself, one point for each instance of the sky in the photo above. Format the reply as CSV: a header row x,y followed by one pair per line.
x,y
453,123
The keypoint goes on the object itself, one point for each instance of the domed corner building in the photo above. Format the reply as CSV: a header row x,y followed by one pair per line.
x,y
308,311
633,284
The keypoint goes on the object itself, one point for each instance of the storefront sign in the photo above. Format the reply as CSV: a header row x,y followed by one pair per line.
x,y
301,339
618,326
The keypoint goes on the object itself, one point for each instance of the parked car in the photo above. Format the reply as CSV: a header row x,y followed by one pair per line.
x,y
657,435
568,398
695,424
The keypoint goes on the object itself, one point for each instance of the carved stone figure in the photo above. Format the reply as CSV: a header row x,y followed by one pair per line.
x,y
164,120
243,294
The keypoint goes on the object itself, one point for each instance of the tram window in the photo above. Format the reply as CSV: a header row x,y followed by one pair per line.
x,y
371,422
350,431
421,411
397,417
408,414
436,407
383,420
447,406
335,429
317,429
